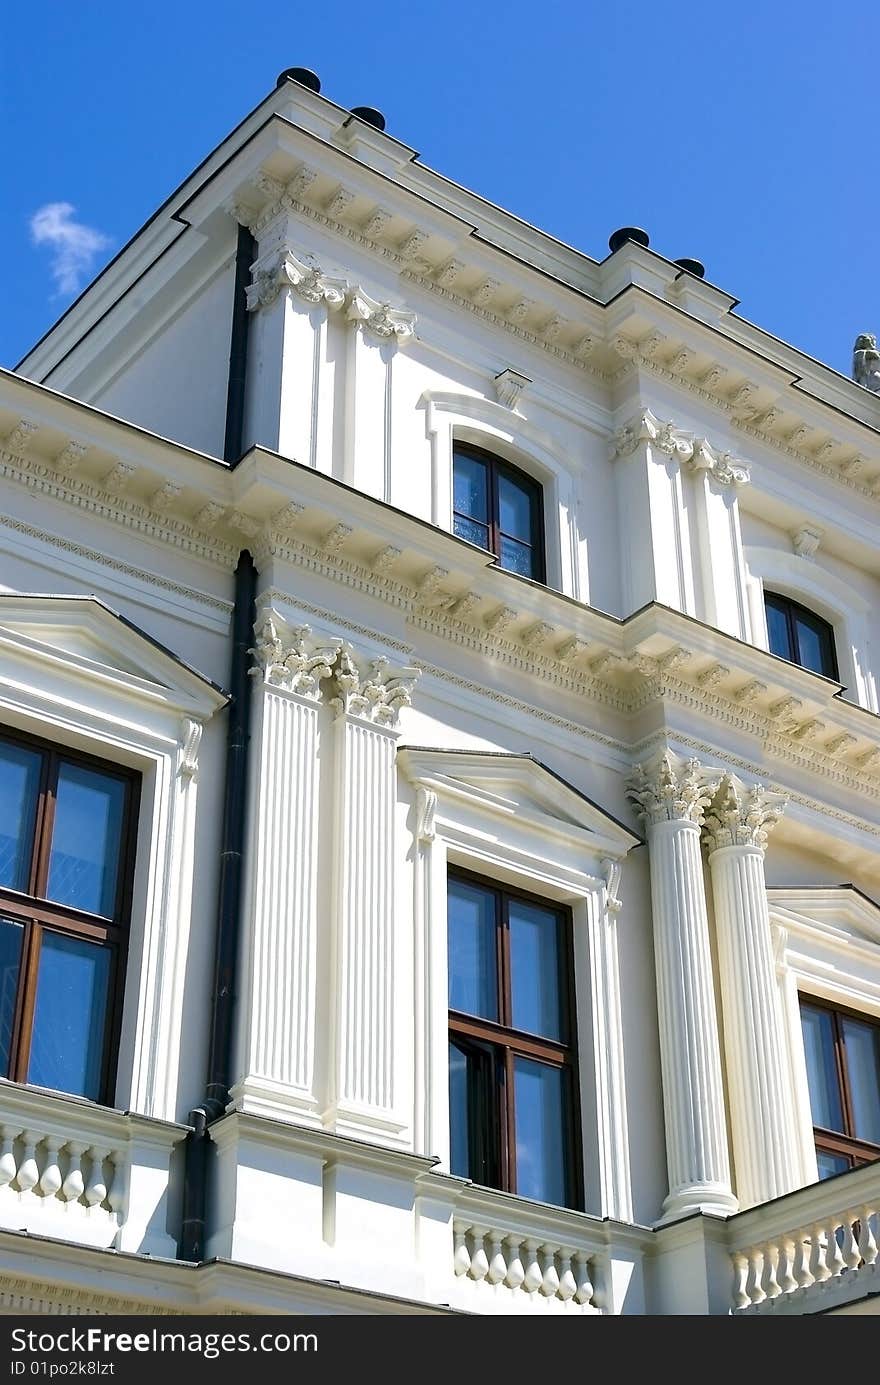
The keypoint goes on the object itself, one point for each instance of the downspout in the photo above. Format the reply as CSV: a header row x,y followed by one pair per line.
x,y
191,1245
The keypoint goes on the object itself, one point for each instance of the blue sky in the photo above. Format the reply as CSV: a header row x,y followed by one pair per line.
x,y
741,135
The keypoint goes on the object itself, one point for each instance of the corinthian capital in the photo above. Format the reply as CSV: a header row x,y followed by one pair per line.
x,y
672,790
304,279
291,658
374,691
741,815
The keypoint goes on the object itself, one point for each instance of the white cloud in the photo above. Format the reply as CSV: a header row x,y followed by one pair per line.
x,y
73,245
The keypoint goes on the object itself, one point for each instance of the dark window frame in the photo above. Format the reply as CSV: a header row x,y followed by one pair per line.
x,y
834,1141
503,1042
496,466
39,915
791,609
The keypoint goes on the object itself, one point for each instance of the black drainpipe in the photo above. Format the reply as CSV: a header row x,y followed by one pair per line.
x,y
229,897
233,442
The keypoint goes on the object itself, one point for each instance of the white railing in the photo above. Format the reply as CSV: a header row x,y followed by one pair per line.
x,y
81,1172
512,1256
822,1239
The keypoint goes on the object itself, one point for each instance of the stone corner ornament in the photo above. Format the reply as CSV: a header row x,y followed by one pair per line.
x,y
866,362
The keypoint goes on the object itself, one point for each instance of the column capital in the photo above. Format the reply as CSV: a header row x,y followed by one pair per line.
x,y
741,815
384,322
672,789
292,657
284,271
371,690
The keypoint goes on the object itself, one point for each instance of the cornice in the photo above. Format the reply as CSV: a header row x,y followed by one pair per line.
x,y
672,359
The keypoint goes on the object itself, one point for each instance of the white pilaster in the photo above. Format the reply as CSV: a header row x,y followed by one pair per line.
x,y
789,1000
290,299
377,333
277,1010
766,1159
602,909
653,521
720,546
371,1069
672,797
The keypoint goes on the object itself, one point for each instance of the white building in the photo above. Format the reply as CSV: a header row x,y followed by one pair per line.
x,y
538,848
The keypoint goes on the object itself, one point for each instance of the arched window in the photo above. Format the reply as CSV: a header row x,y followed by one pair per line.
x,y
499,508
800,635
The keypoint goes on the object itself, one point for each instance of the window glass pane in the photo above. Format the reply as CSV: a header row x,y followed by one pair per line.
x,y
515,502
517,557
473,974
818,1034
459,1132
470,529
470,490
862,1045
813,647
777,629
19,785
11,935
86,839
535,950
67,1046
540,1132
829,1164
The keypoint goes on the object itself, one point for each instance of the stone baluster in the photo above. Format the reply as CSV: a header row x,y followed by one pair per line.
x,y
567,1281
818,1258
96,1188
479,1259
8,1168
672,796
741,1297
51,1180
803,1259
769,1281
786,1268
534,1276
116,1193
28,1172
766,1156
833,1257
461,1260
550,1281
850,1248
516,1272
497,1263
74,1186
754,1280
867,1238
584,1291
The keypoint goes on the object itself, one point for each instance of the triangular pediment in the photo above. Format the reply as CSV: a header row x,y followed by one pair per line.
x,y
517,787
90,641
842,914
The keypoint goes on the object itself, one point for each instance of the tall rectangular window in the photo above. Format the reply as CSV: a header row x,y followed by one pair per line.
x,y
512,1067
842,1050
499,508
67,826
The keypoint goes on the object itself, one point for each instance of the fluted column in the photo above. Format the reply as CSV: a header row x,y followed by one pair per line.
x,y
672,796
277,1010
370,1094
766,1158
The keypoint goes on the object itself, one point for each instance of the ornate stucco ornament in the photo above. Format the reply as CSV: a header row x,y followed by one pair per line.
x,y
385,322
302,277
298,663
866,362
670,789
509,386
742,815
376,693
684,447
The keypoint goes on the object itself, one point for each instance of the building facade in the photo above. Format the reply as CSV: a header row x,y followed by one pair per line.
x,y
439,720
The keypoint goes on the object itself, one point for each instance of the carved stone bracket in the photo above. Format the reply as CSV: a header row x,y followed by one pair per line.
x,y
188,747
672,789
741,815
